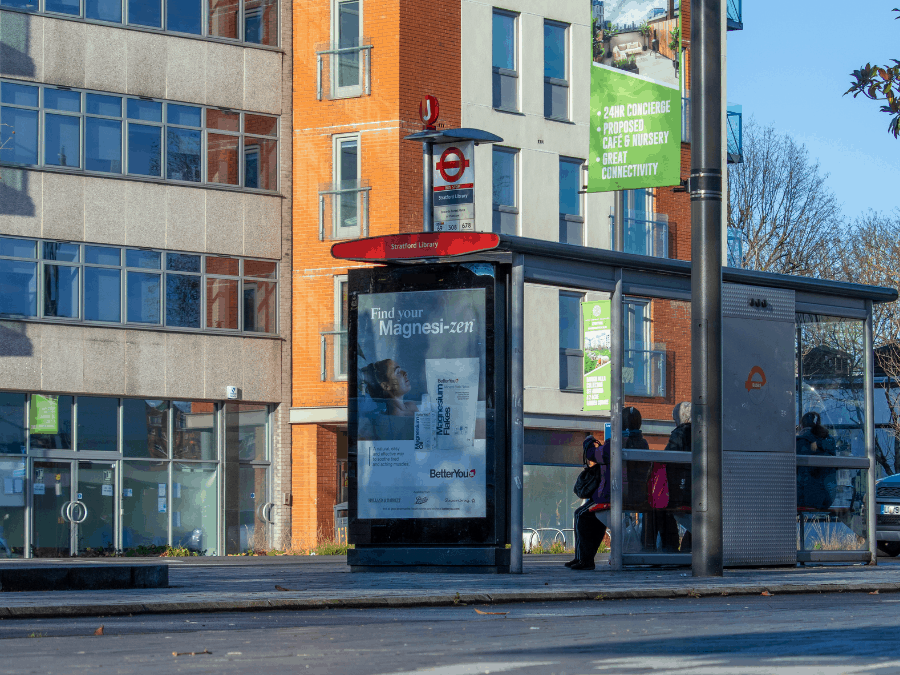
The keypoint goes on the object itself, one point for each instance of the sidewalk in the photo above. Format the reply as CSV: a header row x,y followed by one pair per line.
x,y
249,583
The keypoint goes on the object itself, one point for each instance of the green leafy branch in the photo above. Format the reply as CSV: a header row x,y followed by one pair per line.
x,y
880,83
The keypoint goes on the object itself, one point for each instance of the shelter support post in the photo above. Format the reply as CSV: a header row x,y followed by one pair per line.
x,y
617,347
869,383
706,286
516,410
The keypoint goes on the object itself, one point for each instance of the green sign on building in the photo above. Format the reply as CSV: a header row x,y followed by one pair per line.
x,y
636,85
44,414
597,333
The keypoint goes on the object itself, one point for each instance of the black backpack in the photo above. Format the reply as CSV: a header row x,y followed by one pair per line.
x,y
588,481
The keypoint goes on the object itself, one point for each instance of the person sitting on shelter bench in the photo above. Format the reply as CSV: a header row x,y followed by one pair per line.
x,y
589,530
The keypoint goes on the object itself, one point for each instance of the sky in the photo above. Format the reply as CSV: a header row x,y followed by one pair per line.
x,y
790,67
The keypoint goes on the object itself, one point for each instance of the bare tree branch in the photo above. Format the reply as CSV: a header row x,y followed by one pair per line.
x,y
789,219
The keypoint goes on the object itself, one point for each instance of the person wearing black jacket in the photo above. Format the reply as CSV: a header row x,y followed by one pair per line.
x,y
589,531
679,479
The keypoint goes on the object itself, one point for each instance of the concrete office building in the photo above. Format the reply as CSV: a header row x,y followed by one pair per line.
x,y
145,257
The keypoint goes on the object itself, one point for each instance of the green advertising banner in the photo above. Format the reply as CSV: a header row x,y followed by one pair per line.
x,y
597,333
44,414
635,137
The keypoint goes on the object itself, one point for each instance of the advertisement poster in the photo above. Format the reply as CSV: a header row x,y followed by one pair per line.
x,y
635,137
44,414
597,369
421,443
454,187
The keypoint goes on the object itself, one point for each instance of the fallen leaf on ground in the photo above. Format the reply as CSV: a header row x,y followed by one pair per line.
x,y
281,588
766,593
99,631
478,611
693,594
205,651
875,592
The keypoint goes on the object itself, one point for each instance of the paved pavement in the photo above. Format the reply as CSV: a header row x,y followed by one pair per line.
x,y
260,583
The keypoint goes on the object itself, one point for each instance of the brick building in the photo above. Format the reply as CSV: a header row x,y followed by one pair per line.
x,y
361,67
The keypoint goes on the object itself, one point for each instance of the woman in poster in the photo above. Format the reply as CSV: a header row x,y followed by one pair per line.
x,y
387,383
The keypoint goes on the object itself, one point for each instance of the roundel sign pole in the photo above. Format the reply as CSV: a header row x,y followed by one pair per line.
x,y
429,111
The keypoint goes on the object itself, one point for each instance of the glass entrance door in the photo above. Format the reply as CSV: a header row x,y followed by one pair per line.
x,y
74,507
94,513
52,509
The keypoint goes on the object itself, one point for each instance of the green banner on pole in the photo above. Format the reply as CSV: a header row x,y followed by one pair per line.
x,y
597,369
44,414
636,95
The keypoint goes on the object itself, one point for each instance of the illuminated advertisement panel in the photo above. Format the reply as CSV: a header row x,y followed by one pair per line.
x,y
636,94
421,404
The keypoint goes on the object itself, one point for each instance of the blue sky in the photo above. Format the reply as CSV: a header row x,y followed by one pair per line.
x,y
790,66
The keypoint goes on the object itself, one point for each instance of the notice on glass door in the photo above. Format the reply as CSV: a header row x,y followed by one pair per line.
x,y
106,490
38,488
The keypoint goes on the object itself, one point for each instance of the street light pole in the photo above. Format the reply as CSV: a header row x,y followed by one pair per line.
x,y
706,286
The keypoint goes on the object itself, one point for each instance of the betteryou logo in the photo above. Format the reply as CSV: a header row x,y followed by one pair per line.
x,y
449,474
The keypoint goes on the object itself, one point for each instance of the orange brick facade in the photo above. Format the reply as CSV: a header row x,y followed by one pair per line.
x,y
400,32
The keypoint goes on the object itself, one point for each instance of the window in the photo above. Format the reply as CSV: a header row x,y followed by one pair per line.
x,y
113,285
137,137
506,210
504,66
259,25
556,79
571,355
346,179
571,218
341,323
346,64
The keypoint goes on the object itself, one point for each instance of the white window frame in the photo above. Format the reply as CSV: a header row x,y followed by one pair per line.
x,y
514,73
337,231
508,208
352,91
567,82
340,341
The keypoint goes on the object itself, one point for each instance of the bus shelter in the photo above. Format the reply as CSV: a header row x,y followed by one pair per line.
x,y
792,346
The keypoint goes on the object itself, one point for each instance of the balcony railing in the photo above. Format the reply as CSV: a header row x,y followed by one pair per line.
x,y
644,372
343,210
685,119
735,20
645,233
333,357
343,71
735,135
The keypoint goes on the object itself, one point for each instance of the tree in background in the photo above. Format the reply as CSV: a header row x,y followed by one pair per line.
x,y
879,83
870,255
788,219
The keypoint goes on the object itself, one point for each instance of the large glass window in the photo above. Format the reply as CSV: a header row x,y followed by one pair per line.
x,y
12,508
504,61
505,190
556,78
252,21
571,356
150,138
88,282
98,423
145,428
12,423
195,506
571,218
144,523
